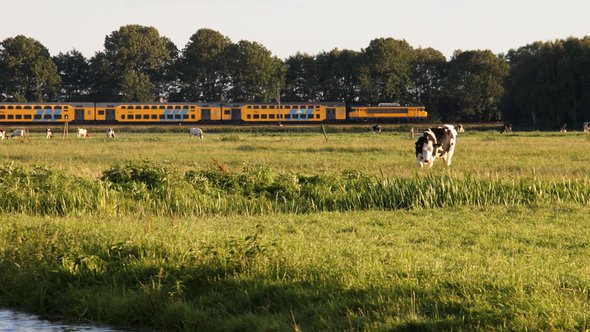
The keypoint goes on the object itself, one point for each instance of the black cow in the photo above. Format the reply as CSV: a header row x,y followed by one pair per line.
x,y
437,142
506,128
376,129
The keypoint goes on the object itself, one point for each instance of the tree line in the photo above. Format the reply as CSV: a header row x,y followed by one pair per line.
x,y
541,85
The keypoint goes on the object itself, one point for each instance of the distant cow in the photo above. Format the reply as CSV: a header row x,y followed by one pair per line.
x,y
49,133
3,135
460,129
195,132
563,128
506,128
376,129
110,133
82,133
20,133
586,127
437,142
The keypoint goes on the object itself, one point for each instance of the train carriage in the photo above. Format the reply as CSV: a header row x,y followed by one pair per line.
x,y
387,112
290,112
35,112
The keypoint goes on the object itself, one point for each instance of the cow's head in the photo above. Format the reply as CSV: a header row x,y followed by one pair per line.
x,y
426,148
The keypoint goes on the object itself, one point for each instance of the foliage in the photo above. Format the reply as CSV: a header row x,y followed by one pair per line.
x,y
27,72
74,71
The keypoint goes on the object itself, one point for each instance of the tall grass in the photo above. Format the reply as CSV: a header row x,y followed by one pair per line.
x,y
148,187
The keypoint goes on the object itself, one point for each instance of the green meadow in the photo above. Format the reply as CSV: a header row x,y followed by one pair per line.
x,y
285,230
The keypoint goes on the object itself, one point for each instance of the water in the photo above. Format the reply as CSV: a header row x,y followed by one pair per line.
x,y
14,321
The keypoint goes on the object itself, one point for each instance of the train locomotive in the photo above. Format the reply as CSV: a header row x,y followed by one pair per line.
x,y
230,113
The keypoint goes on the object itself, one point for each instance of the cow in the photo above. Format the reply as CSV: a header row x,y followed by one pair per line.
x,y
49,133
195,132
110,133
20,133
82,133
436,142
563,128
506,128
3,135
376,129
586,127
460,129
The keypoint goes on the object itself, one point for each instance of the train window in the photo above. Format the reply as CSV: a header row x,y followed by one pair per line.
x,y
56,107
137,107
185,116
100,112
2,116
154,107
177,107
146,107
47,116
226,112
263,107
28,116
37,117
248,116
146,116
185,107
177,116
162,107
124,107
249,107
317,116
192,116
162,117
256,107
138,116
19,116
47,107
154,116
169,116
271,107
123,116
1,107
10,117
263,116
271,116
19,107
256,116
10,107
57,116
192,107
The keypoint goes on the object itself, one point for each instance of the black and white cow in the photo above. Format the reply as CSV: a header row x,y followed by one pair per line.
x,y
436,142
376,129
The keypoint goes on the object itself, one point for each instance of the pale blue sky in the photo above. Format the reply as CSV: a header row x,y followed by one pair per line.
x,y
312,26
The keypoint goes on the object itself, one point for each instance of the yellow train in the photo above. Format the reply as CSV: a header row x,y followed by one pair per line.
x,y
143,113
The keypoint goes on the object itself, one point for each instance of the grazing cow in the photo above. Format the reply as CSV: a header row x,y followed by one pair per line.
x,y
49,133
586,127
110,133
376,129
563,128
82,133
195,132
460,129
506,128
20,133
3,135
437,142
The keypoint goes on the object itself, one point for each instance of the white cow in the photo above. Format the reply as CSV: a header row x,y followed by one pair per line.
x,y
3,135
436,142
82,133
110,133
49,133
460,129
586,127
20,133
195,132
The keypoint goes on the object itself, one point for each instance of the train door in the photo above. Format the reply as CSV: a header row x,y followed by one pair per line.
x,y
206,114
236,114
330,114
110,115
79,115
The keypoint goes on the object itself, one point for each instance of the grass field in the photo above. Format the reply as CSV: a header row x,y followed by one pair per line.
x,y
295,233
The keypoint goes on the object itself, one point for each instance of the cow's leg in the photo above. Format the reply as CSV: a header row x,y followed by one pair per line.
x,y
449,155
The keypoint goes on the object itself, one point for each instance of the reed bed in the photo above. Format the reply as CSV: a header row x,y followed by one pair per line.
x,y
153,188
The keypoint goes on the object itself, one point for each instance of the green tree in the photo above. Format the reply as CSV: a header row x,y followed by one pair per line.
x,y
339,75
428,72
301,78
474,86
27,72
203,66
256,75
132,65
386,70
74,70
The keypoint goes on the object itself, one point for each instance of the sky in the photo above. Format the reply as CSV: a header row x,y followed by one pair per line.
x,y
286,27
